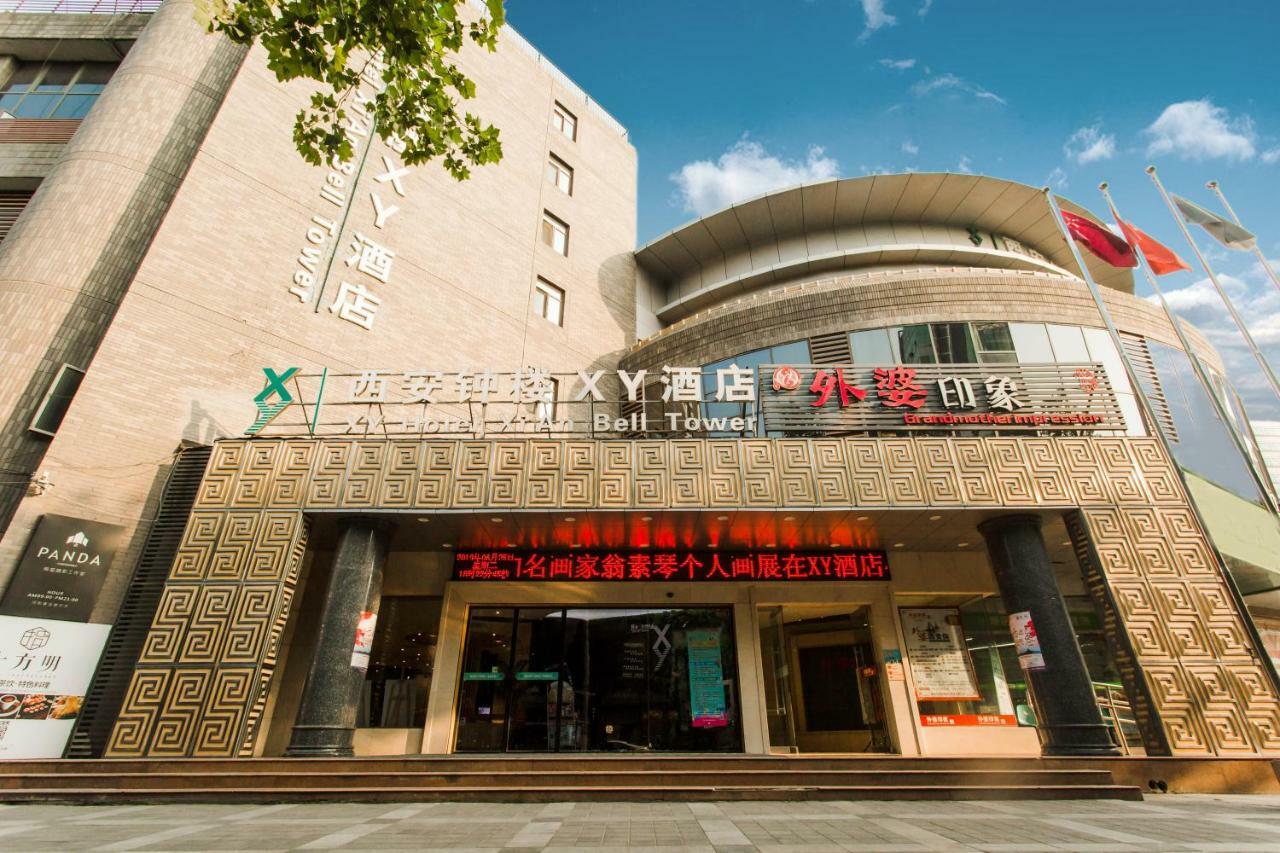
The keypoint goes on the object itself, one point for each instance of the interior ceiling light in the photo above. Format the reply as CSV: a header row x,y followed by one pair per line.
x,y
864,518
496,519
935,518
898,544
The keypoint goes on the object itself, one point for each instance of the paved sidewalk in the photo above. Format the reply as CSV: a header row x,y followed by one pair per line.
x,y
1166,824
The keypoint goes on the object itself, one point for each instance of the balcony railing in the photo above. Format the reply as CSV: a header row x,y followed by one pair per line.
x,y
80,7
37,129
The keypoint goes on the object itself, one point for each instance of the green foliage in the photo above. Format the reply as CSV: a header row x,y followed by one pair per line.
x,y
333,41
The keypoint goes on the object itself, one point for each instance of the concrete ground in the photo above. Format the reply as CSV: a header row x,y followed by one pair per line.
x,y
1162,823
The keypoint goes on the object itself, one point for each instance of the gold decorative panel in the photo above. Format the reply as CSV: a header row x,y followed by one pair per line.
x,y
202,680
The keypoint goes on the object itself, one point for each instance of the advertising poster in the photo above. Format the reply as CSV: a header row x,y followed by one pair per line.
x,y
363,647
936,652
706,680
62,569
893,665
45,669
1025,640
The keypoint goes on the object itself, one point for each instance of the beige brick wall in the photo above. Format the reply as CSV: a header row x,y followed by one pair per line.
x,y
210,304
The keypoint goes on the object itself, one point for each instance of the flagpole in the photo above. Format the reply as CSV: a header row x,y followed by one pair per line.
x,y
1262,258
1222,294
1148,412
1139,393
1201,374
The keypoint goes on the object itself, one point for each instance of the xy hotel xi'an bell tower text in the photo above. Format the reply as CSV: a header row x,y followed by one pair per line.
x,y
358,460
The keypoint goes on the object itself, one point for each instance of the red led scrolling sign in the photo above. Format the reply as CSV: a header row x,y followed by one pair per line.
x,y
624,566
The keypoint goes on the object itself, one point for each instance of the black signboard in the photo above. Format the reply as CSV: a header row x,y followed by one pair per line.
x,y
62,569
674,565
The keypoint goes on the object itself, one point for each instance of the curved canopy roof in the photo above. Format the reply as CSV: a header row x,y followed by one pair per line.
x,y
989,204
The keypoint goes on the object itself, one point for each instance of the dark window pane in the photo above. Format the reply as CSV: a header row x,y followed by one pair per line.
x,y
915,344
58,74
994,337
953,344
398,680
96,72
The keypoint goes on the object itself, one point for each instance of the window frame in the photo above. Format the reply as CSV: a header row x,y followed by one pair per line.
x,y
548,292
550,222
59,97
561,118
557,169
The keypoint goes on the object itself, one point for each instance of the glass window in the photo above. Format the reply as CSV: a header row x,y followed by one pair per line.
x,y
599,679
1068,343
560,173
1101,349
915,345
548,302
54,89
872,346
995,343
953,344
1031,343
555,233
796,352
398,680
565,122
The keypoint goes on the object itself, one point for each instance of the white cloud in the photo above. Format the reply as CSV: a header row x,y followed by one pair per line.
x,y
964,165
876,16
1198,130
1259,304
1057,178
952,83
909,147
1270,156
744,171
1089,144
924,8
898,64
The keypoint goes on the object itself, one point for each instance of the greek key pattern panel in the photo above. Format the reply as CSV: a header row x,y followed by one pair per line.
x,y
335,474
1187,637
201,680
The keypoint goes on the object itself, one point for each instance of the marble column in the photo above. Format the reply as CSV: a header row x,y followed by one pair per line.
x,y
326,721
1067,712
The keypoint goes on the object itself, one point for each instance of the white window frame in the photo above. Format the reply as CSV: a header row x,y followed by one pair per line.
x,y
560,174
558,228
564,121
544,295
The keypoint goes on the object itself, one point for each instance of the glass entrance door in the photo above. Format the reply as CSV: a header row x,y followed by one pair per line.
x,y
599,679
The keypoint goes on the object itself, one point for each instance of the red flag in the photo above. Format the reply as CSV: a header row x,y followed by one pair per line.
x,y
1159,257
1100,241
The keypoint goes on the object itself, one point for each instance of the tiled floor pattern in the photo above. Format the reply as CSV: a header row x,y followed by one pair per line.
x,y
1167,824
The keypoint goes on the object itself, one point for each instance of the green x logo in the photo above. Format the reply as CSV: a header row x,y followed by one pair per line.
x,y
275,387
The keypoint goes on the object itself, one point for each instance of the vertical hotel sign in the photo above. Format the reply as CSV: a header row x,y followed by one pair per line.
x,y
367,265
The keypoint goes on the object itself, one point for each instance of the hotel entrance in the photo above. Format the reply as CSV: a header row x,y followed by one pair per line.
x,y
598,679
821,679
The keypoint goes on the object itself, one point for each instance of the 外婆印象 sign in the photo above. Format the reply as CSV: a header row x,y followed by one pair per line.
x,y
884,398
45,669
674,565
62,569
686,401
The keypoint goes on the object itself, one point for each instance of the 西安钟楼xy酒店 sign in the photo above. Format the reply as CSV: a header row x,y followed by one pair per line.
x,y
773,400
621,566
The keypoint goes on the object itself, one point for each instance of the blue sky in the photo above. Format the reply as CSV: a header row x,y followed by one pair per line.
x,y
726,100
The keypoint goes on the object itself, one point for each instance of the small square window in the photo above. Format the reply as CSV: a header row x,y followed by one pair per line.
x,y
555,233
565,122
548,302
560,173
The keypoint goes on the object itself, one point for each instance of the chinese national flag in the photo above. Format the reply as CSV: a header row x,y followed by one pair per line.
x,y
1100,241
1159,257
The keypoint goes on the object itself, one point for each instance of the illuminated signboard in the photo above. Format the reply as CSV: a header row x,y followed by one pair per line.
x,y
674,565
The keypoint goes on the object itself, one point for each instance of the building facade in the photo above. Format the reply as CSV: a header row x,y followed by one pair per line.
x,y
403,465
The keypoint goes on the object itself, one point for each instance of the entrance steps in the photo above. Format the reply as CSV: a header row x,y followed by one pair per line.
x,y
555,778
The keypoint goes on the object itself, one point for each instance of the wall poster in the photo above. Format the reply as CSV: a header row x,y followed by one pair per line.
x,y
45,669
62,569
937,655
707,703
